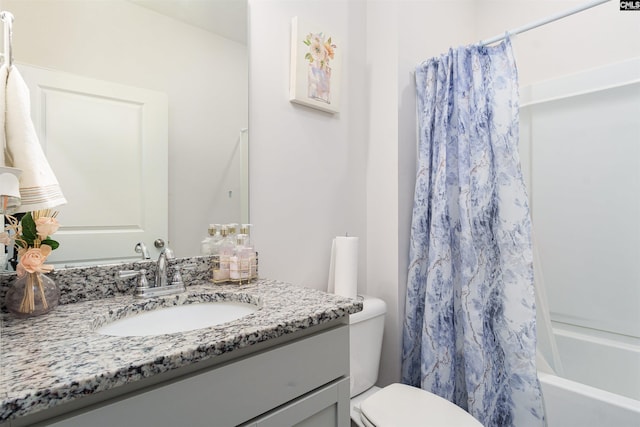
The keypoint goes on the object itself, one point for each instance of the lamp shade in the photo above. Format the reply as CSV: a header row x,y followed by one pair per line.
x,y
9,189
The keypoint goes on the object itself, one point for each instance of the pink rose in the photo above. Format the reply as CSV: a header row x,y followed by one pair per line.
x,y
5,239
46,226
32,261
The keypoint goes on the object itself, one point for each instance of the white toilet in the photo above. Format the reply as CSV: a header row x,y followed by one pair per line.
x,y
397,404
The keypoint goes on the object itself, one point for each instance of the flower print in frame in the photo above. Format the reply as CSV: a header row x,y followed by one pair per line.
x,y
315,66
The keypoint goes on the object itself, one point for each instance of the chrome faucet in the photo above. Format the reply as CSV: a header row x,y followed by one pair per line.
x,y
161,285
162,267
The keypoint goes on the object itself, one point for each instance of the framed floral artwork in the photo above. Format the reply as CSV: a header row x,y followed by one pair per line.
x,y
315,66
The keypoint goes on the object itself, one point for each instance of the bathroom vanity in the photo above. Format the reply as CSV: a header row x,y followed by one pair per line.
x,y
287,363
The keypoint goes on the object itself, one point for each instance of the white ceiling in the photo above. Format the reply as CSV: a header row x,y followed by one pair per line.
x,y
227,18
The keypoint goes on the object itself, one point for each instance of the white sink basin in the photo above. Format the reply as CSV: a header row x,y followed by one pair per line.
x,y
179,318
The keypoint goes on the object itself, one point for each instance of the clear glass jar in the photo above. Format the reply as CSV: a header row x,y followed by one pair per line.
x,y
32,294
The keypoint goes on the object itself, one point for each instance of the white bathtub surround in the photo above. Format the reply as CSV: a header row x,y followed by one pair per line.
x,y
590,271
547,354
572,404
601,360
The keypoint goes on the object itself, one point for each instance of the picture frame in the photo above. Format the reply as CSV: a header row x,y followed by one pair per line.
x,y
316,59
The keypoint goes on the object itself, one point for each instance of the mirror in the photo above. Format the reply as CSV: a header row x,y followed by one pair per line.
x,y
194,52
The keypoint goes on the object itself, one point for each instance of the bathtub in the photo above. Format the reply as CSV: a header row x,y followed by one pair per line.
x,y
600,386
571,404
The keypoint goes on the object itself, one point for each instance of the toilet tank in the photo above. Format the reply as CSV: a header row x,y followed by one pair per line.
x,y
365,343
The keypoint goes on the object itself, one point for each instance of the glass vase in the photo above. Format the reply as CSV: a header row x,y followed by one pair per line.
x,y
32,294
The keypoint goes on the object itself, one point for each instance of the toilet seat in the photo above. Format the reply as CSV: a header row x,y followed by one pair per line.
x,y
403,405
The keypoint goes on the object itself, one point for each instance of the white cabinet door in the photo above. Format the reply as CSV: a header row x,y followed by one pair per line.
x,y
107,144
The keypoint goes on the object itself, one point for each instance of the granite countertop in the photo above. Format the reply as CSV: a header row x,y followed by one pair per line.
x,y
58,357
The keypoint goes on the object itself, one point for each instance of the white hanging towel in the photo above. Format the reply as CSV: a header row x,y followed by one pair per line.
x,y
39,188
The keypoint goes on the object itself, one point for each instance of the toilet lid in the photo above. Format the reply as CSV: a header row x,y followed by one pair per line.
x,y
403,405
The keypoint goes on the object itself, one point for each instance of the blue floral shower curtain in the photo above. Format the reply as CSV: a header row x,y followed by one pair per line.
x,y
469,329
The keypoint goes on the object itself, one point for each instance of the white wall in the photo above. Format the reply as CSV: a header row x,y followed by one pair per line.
x,y
382,173
204,76
307,167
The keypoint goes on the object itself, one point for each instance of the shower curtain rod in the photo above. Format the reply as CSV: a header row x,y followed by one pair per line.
x,y
544,21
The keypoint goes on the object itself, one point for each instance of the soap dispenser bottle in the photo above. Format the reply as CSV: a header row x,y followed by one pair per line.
x,y
232,230
206,246
246,230
234,261
224,250
240,266
249,251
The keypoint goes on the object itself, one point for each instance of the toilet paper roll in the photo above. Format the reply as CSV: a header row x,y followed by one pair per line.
x,y
346,266
331,286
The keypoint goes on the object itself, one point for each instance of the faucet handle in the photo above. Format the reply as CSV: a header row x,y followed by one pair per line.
x,y
141,274
177,276
125,274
